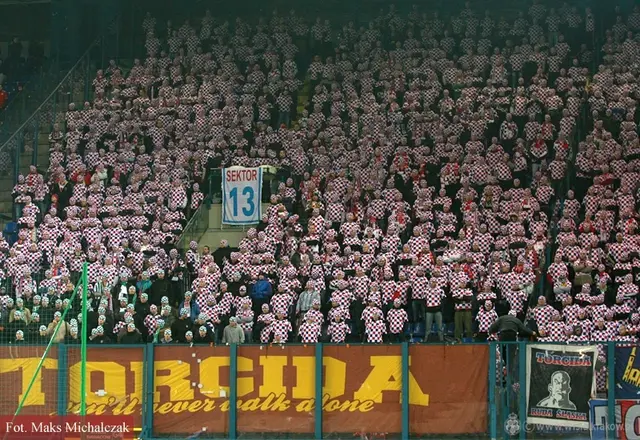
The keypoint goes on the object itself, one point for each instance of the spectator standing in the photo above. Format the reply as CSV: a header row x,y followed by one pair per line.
x,y
61,331
261,293
397,318
233,333
305,302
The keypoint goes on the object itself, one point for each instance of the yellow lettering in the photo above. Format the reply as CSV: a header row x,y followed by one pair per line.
x,y
306,406
137,369
180,407
165,408
332,405
177,380
416,395
131,407
387,376
114,378
28,366
266,405
335,377
305,377
350,406
273,372
99,409
210,375
115,398
119,408
366,406
195,406
281,404
249,405
631,374
209,405
245,384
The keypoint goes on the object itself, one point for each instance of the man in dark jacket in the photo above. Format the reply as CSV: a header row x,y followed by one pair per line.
x,y
142,306
161,287
204,335
132,336
509,328
223,252
181,326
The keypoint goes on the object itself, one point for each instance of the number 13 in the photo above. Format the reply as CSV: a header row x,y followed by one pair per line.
x,y
249,193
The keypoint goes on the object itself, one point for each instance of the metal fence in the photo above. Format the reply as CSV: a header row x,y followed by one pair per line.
x,y
366,391
29,118
196,228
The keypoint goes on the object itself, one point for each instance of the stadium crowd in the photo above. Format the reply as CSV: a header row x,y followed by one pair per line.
x,y
427,184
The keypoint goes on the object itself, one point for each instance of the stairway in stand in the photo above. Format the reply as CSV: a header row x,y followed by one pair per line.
x,y
303,99
42,159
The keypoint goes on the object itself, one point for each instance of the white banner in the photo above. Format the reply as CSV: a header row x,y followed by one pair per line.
x,y
241,195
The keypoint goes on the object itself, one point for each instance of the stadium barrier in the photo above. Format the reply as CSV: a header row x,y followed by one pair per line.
x,y
374,391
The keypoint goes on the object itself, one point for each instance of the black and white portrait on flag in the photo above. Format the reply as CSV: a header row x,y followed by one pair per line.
x,y
560,382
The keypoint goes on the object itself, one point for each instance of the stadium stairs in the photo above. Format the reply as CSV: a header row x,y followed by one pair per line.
x,y
216,231
303,99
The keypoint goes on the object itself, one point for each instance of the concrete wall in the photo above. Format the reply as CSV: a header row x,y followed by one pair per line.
x,y
217,231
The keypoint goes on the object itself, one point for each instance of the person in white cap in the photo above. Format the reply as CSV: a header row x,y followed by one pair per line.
x,y
74,337
19,337
43,337
167,339
102,338
181,326
338,330
204,336
61,332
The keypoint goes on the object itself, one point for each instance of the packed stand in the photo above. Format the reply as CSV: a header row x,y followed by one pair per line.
x,y
428,178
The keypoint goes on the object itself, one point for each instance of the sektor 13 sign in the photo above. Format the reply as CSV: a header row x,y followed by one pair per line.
x,y
241,195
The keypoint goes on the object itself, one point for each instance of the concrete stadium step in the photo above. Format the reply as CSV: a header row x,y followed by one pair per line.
x,y
6,208
3,221
26,160
6,184
303,99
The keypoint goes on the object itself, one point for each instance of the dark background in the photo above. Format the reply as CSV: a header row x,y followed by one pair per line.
x,y
541,377
67,27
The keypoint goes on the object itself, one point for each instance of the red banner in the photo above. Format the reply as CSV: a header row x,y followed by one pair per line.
x,y
362,387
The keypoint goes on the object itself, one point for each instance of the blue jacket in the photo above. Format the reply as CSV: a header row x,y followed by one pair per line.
x,y
194,310
261,290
